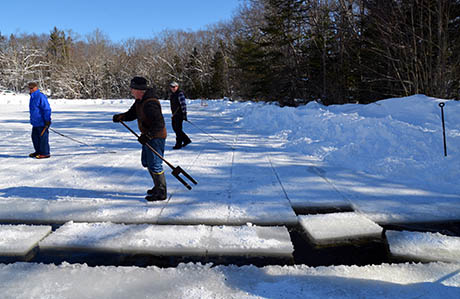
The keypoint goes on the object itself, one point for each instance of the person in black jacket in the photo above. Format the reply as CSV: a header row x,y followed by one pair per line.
x,y
147,110
179,114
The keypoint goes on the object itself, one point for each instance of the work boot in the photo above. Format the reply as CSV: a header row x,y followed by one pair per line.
x,y
178,143
33,155
159,192
154,189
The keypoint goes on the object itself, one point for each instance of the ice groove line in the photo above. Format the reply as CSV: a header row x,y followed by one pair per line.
x,y
231,174
355,208
176,189
278,178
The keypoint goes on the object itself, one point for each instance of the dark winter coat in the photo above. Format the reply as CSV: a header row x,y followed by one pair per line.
x,y
178,104
148,113
39,108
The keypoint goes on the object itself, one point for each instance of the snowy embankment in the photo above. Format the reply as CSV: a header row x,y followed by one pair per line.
x,y
399,139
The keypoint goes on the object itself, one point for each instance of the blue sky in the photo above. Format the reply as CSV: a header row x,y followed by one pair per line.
x,y
118,19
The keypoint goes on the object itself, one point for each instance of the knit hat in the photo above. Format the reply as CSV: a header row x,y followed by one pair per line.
x,y
139,83
173,84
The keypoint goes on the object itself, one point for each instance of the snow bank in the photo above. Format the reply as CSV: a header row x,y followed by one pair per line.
x,y
399,138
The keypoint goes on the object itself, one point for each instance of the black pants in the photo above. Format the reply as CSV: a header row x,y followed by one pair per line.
x,y
181,137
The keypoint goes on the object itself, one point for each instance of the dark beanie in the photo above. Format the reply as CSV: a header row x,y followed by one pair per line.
x,y
139,83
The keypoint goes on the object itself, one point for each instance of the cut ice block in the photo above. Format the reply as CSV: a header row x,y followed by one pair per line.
x,y
336,227
19,240
170,240
133,239
250,240
424,246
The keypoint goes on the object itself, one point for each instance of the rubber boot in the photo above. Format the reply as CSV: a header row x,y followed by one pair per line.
x,y
160,188
154,189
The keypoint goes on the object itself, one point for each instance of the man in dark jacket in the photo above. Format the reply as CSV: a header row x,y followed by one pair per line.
x,y
147,110
179,114
40,119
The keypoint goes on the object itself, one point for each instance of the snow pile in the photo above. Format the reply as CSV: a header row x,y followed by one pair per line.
x,y
399,138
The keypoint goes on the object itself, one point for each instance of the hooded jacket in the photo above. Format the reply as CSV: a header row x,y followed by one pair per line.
x,y
39,108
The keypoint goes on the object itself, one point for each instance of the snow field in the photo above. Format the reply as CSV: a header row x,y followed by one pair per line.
x,y
267,169
384,160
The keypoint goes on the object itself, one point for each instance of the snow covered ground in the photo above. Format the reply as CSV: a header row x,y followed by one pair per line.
x,y
436,280
385,160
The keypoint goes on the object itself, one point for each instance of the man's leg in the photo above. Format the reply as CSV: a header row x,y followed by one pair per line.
x,y
36,140
181,138
155,167
177,127
44,143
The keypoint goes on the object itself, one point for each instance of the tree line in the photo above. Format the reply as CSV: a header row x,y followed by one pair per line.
x,y
286,51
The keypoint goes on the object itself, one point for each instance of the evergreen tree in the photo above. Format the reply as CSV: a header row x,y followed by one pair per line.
x,y
58,46
251,69
217,82
285,20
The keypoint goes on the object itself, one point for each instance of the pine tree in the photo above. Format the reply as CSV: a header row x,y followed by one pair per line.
x,y
251,69
217,82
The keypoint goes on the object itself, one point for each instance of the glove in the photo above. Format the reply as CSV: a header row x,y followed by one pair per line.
x,y
48,123
143,139
117,117
185,117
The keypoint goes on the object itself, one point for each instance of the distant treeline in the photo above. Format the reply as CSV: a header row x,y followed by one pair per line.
x,y
288,51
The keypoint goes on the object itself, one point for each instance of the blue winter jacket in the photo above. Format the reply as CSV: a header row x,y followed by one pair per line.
x,y
39,108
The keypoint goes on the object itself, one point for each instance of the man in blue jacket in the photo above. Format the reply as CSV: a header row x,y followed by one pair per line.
x,y
40,118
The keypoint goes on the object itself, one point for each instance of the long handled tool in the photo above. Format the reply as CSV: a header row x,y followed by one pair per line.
x,y
219,141
176,171
43,131
73,139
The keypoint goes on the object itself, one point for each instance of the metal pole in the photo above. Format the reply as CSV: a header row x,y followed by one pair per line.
x,y
443,127
73,139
